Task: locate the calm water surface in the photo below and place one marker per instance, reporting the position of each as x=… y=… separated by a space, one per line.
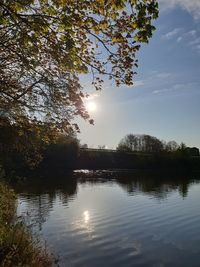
x=134 y=220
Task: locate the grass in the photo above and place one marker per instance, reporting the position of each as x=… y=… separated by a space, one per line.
x=18 y=247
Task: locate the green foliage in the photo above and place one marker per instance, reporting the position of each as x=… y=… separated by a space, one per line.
x=17 y=246
x=45 y=45
x=7 y=204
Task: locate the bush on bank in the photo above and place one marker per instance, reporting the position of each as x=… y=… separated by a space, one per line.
x=17 y=246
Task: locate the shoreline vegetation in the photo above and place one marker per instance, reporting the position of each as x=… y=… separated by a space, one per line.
x=139 y=152
x=28 y=155
x=18 y=247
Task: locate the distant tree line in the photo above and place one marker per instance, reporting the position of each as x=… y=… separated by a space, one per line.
x=22 y=152
x=143 y=152
x=150 y=144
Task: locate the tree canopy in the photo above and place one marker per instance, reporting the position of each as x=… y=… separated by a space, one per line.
x=140 y=143
x=150 y=144
x=45 y=45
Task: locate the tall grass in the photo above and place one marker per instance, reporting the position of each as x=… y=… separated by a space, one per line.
x=18 y=248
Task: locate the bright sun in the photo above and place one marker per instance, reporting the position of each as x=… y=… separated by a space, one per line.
x=91 y=106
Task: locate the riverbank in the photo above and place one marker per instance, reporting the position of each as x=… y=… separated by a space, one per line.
x=18 y=247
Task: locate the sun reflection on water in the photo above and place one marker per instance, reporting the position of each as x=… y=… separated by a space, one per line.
x=86 y=216
x=84 y=225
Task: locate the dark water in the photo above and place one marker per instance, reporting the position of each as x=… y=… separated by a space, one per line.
x=134 y=220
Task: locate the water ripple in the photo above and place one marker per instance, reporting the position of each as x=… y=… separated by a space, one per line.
x=112 y=224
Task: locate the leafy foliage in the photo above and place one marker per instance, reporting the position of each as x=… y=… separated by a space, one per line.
x=24 y=141
x=25 y=146
x=45 y=45
x=7 y=204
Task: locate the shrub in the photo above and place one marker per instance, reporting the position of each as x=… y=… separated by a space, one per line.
x=18 y=247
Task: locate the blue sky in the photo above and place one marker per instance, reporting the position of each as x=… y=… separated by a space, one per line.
x=165 y=100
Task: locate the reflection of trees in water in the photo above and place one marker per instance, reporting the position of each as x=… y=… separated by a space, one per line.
x=160 y=191
x=38 y=208
x=158 y=185
x=41 y=195
x=183 y=188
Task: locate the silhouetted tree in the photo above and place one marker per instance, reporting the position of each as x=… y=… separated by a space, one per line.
x=84 y=146
x=193 y=151
x=61 y=155
x=129 y=143
x=171 y=146
x=140 y=143
x=101 y=147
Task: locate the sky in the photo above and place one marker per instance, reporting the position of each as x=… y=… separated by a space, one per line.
x=165 y=99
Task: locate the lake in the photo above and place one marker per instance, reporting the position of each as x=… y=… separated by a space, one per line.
x=116 y=218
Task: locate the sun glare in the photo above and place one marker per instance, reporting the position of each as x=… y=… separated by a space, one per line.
x=91 y=106
x=86 y=216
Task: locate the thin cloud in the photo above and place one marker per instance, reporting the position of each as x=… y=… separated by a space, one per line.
x=191 y=6
x=161 y=91
x=192 y=33
x=175 y=87
x=171 y=34
x=190 y=38
x=158 y=75
x=187 y=35
x=138 y=83
x=179 y=39
x=195 y=41
x=163 y=75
